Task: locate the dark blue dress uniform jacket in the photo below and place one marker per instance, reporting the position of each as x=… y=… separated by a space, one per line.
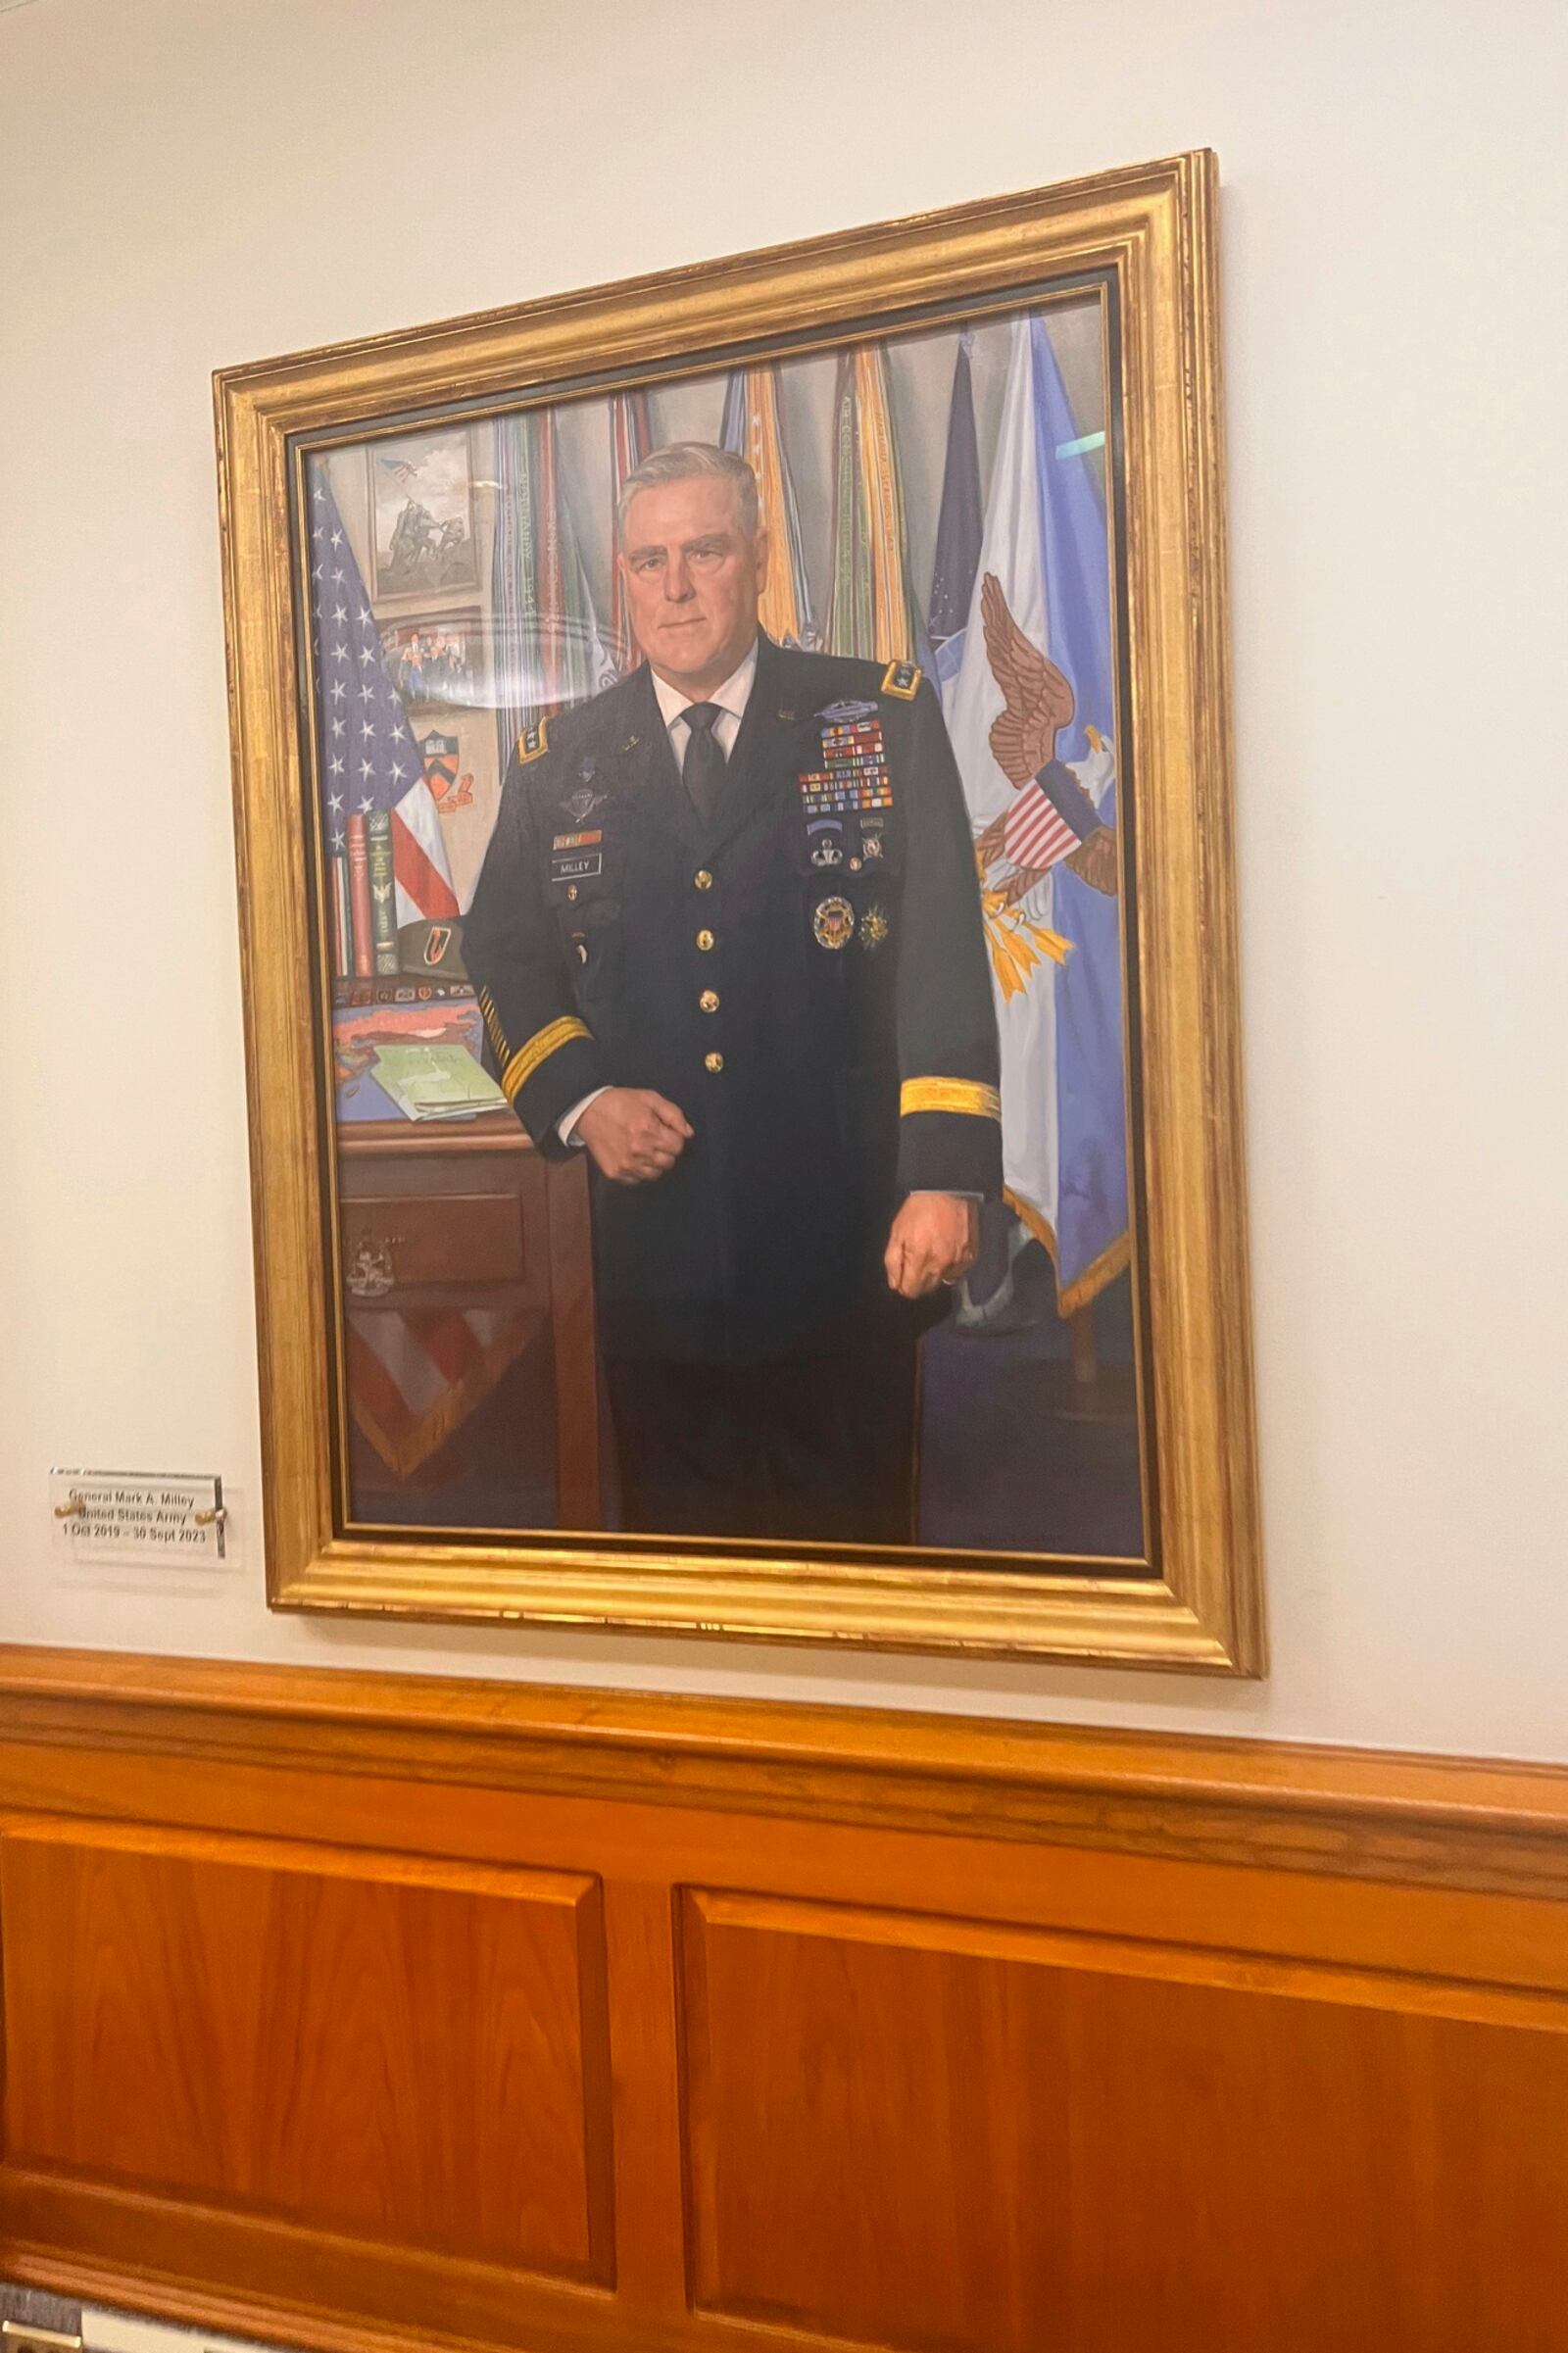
x=806 y=976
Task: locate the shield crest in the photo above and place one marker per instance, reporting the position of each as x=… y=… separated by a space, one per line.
x=448 y=790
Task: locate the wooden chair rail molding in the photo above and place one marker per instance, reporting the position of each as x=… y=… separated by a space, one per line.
x=354 y=2010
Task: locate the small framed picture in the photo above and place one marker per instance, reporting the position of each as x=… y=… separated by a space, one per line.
x=422 y=516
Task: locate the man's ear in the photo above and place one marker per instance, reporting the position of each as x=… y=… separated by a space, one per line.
x=761 y=550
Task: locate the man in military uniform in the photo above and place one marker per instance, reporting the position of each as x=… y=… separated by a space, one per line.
x=729 y=942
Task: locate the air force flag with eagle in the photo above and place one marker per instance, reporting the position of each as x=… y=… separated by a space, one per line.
x=1031 y=713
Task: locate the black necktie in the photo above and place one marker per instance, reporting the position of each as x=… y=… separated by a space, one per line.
x=702 y=771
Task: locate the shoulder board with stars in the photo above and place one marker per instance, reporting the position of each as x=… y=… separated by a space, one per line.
x=534 y=742
x=901 y=678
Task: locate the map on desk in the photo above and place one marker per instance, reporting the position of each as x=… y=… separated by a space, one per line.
x=435 y=1082
x=359 y=1035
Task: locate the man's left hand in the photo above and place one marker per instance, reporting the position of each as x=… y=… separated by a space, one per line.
x=934 y=1240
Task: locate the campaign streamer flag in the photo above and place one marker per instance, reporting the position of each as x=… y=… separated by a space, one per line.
x=1055 y=937
x=547 y=651
x=367 y=760
x=961 y=524
x=630 y=440
x=869 y=612
x=753 y=430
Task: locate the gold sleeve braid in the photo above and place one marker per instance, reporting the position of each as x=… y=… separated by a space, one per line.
x=493 y=1029
x=948 y=1095
x=539 y=1048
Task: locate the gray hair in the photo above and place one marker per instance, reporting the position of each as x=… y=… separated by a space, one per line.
x=682 y=461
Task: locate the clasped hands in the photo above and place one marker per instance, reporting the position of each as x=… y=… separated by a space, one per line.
x=636 y=1136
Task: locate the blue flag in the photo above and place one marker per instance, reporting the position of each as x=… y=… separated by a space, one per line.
x=1091 y=1099
x=960 y=525
x=1055 y=934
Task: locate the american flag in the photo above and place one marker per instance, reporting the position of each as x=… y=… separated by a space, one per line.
x=415 y=1374
x=366 y=758
x=1050 y=818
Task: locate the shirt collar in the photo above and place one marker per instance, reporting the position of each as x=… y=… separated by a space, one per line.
x=733 y=696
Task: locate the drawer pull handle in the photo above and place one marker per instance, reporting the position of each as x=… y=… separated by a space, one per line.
x=370 y=1271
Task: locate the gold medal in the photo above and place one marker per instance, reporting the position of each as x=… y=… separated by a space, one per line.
x=833 y=922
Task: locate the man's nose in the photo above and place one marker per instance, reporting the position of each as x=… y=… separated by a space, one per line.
x=677 y=581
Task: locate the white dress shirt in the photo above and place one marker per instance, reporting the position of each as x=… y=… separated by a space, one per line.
x=673 y=703
x=732 y=698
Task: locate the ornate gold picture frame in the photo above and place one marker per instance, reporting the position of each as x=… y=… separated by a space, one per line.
x=426 y=1273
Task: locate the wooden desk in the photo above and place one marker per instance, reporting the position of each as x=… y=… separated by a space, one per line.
x=470 y=1218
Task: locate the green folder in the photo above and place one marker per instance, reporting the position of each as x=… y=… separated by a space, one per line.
x=436 y=1082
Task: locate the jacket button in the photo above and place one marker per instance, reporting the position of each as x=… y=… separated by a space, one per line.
x=705 y=941
x=571 y=890
x=709 y=1000
x=712 y=1061
x=702 y=880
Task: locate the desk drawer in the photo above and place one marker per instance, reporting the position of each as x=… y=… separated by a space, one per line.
x=403 y=1242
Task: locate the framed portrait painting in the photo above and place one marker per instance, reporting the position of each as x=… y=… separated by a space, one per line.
x=734 y=813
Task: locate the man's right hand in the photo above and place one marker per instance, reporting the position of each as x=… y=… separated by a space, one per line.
x=633 y=1134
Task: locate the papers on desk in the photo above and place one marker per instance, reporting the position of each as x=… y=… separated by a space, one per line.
x=435 y=1082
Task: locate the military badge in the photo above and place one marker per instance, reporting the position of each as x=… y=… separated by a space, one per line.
x=827 y=841
x=581 y=804
x=843 y=711
x=901 y=678
x=534 y=742
x=874 y=927
x=833 y=922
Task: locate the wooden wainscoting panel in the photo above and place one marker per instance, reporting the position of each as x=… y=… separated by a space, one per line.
x=935 y=2134
x=387 y=2014
x=376 y=2044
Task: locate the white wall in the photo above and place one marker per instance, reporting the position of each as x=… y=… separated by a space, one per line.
x=190 y=182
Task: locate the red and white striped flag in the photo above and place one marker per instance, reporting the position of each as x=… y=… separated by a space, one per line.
x=365 y=754
x=414 y=1375
x=1036 y=833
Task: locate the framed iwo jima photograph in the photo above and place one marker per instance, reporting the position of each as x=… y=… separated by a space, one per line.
x=734 y=810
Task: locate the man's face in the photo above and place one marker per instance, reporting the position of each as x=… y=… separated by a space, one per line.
x=693 y=579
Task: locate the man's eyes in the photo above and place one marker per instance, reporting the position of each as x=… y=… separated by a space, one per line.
x=702 y=551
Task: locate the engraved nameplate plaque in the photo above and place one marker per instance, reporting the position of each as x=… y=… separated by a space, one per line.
x=138 y=1515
